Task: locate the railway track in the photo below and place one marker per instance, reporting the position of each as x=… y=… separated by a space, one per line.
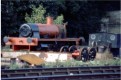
x=70 y=73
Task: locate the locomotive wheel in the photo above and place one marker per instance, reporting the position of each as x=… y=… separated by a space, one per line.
x=84 y=54
x=81 y=54
x=92 y=53
x=72 y=48
x=64 y=49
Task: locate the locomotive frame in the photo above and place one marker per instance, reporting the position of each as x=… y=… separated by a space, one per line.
x=29 y=43
x=36 y=36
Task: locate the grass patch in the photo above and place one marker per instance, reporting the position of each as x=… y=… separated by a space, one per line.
x=73 y=63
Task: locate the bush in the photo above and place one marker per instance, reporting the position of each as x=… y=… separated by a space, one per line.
x=37 y=16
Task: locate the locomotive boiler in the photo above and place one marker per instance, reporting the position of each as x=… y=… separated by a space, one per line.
x=38 y=30
x=37 y=36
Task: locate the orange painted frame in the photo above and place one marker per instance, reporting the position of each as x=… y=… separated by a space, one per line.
x=21 y=43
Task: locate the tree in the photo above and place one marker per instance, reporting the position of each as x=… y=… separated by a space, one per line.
x=37 y=16
x=59 y=20
x=13 y=13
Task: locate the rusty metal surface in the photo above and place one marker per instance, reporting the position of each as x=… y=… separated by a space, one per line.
x=32 y=59
x=49 y=20
x=22 y=44
x=77 y=73
x=50 y=30
x=81 y=54
x=59 y=39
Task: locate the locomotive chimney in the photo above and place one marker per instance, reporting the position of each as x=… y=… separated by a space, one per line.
x=49 y=20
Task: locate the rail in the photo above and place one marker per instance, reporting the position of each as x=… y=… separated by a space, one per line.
x=97 y=72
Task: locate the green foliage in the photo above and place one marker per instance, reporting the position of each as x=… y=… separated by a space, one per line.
x=74 y=63
x=37 y=15
x=14 y=66
x=59 y=20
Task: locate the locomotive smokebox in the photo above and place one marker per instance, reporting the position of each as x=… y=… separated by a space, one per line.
x=38 y=30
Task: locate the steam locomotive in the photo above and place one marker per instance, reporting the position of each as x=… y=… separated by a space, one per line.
x=49 y=36
x=37 y=36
